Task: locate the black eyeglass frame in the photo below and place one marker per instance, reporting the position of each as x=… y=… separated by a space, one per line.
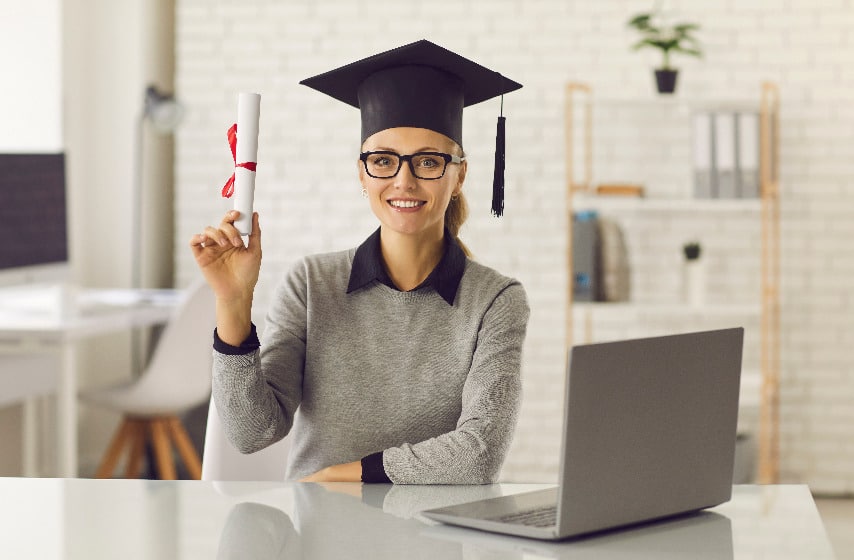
x=448 y=158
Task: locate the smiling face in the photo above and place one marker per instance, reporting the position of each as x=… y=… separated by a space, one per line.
x=405 y=204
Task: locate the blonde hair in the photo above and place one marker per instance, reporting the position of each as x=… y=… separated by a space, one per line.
x=457 y=211
x=455 y=216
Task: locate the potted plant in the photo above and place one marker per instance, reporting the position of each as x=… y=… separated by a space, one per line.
x=677 y=38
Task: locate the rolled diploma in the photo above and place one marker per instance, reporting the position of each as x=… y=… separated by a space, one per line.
x=248 y=113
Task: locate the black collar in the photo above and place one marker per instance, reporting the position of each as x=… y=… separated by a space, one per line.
x=445 y=278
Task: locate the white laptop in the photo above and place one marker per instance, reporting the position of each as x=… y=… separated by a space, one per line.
x=649 y=432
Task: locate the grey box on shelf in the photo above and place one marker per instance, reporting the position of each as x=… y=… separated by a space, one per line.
x=585 y=256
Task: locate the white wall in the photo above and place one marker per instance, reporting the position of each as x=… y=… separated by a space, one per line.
x=32 y=96
x=806 y=46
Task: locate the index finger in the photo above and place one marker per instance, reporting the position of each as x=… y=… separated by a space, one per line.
x=255 y=236
x=230 y=217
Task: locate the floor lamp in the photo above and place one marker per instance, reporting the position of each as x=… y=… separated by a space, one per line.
x=164 y=113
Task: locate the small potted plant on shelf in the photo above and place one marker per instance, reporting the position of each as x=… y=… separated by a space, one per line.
x=677 y=38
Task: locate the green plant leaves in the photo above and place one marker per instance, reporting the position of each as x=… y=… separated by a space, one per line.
x=677 y=38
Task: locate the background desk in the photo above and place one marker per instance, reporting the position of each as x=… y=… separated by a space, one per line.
x=75 y=519
x=38 y=332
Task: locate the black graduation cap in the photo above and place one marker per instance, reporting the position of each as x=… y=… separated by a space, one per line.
x=419 y=85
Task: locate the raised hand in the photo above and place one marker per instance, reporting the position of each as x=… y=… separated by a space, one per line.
x=231 y=269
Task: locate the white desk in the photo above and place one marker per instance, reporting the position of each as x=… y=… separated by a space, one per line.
x=39 y=328
x=75 y=519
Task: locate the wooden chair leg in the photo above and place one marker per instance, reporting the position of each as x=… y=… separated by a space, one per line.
x=162 y=449
x=185 y=448
x=137 y=449
x=114 y=451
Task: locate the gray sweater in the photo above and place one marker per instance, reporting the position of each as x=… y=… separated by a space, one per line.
x=435 y=387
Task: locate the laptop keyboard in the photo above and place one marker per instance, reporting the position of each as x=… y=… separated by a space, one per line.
x=540 y=517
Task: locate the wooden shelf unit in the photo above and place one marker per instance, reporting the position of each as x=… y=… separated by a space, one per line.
x=769 y=216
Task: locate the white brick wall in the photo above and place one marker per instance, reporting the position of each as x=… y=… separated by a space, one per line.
x=805 y=46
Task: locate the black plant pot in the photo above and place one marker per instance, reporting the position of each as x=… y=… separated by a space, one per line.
x=666 y=80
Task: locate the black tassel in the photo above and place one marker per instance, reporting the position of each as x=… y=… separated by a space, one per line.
x=498 y=178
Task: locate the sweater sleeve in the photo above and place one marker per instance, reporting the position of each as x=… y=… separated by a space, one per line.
x=257 y=393
x=474 y=452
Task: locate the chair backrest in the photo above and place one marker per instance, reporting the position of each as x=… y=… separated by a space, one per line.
x=221 y=461
x=183 y=357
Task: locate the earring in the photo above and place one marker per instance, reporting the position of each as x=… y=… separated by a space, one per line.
x=364 y=192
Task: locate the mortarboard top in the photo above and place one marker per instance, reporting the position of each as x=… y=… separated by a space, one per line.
x=419 y=85
x=415 y=83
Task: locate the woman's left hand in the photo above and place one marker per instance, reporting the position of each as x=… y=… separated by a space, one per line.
x=346 y=472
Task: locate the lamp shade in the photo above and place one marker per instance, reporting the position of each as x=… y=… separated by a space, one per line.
x=163 y=110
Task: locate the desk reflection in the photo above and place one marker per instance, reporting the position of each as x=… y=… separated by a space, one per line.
x=258 y=531
x=331 y=519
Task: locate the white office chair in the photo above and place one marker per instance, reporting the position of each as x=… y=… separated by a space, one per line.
x=225 y=463
x=177 y=378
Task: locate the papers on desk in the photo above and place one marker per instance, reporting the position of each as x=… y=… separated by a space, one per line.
x=128 y=298
x=35 y=301
x=26 y=306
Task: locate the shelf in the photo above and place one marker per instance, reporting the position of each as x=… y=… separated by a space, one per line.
x=651 y=308
x=638 y=140
x=634 y=204
x=678 y=104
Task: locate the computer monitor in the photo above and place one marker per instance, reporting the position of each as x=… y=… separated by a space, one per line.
x=33 y=219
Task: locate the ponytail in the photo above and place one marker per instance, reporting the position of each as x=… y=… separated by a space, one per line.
x=457 y=211
x=455 y=216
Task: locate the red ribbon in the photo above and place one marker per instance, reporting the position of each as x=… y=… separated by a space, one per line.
x=228 y=188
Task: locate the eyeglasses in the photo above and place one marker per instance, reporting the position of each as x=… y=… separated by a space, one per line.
x=423 y=165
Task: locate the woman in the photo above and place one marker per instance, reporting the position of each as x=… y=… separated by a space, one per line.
x=397 y=361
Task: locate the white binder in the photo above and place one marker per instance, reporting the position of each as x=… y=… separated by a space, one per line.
x=703 y=168
x=725 y=169
x=748 y=154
